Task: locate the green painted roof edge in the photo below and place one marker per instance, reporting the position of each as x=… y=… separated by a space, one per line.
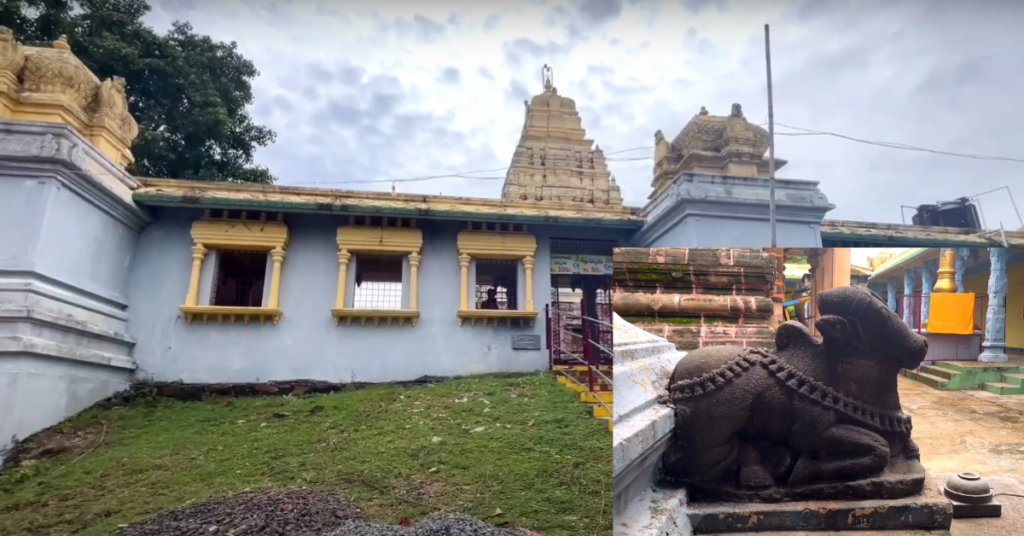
x=887 y=268
x=180 y=201
x=905 y=242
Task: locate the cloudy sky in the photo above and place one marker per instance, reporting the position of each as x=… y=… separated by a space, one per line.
x=396 y=89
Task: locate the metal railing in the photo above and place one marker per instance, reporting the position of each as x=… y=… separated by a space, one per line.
x=589 y=352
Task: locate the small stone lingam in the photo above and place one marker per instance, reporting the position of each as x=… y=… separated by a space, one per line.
x=971 y=496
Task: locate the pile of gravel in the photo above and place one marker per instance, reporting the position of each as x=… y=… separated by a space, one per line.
x=432 y=525
x=295 y=512
x=288 y=512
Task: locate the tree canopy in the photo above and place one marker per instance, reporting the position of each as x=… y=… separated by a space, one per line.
x=188 y=93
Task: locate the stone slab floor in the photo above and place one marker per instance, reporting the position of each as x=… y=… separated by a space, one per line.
x=965 y=431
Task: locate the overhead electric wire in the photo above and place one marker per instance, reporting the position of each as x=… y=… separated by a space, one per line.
x=803 y=132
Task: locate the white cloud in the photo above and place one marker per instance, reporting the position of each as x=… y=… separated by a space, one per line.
x=364 y=90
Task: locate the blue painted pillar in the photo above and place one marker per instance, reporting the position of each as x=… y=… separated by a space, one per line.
x=891 y=293
x=994 y=347
x=962 y=254
x=909 y=279
x=929 y=275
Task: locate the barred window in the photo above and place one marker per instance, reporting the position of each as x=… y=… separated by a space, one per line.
x=497 y=284
x=378 y=282
x=239 y=278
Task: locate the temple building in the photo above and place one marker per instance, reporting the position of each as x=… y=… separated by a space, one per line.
x=990 y=325
x=107 y=278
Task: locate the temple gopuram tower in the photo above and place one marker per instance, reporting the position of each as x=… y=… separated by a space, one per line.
x=554 y=161
x=710 y=188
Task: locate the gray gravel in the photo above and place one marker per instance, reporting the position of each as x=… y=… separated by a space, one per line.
x=432 y=525
x=295 y=512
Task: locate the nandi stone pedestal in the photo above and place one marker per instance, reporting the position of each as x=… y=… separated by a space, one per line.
x=810 y=436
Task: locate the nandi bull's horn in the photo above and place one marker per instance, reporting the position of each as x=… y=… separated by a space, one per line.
x=877 y=321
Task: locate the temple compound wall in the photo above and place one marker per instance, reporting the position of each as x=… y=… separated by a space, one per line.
x=697 y=297
x=308 y=335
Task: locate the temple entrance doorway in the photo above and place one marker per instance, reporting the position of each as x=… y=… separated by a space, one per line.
x=581 y=302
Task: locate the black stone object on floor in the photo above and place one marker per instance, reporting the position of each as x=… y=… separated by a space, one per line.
x=971 y=496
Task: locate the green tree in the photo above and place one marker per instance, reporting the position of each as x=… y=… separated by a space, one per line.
x=188 y=92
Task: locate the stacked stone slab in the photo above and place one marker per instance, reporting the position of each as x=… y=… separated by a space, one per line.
x=697 y=297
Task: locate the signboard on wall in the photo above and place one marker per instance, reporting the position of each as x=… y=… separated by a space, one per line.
x=525 y=342
x=565 y=264
x=581 y=264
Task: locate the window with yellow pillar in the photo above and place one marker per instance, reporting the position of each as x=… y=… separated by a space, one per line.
x=247 y=257
x=502 y=264
x=378 y=272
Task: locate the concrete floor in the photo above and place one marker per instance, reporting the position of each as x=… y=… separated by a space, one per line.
x=960 y=431
x=972 y=431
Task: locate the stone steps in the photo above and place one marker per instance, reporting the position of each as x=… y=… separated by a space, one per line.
x=942 y=372
x=602 y=388
x=1014 y=379
x=1001 y=388
x=996 y=378
x=935 y=382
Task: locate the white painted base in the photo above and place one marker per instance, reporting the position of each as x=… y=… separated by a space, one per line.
x=37 y=392
x=643 y=426
x=656 y=512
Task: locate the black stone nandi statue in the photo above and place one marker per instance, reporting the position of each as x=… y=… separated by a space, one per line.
x=814 y=419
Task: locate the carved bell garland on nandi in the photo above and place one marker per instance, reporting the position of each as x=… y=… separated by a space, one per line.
x=815 y=419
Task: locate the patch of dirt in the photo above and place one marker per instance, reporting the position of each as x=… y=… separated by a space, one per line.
x=292 y=512
x=52 y=442
x=421 y=491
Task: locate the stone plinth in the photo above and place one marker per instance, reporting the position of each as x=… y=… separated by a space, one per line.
x=642 y=427
x=928 y=510
x=704 y=210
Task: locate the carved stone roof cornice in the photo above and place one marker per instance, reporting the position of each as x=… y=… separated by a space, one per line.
x=50 y=84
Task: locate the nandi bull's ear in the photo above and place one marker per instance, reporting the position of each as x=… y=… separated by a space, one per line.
x=840 y=330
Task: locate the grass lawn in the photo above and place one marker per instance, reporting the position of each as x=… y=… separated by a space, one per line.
x=523 y=445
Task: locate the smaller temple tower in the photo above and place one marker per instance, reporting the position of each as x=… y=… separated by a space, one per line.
x=554 y=161
x=721 y=145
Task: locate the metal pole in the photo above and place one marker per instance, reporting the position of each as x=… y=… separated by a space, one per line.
x=547 y=336
x=771 y=138
x=588 y=352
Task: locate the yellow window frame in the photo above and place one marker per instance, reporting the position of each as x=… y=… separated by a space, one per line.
x=382 y=239
x=508 y=245
x=236 y=234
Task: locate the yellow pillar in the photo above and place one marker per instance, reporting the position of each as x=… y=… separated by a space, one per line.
x=414 y=272
x=198 y=254
x=464 y=287
x=947 y=272
x=528 y=264
x=277 y=254
x=343 y=258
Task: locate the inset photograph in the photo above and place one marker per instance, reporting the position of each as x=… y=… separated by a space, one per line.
x=810 y=389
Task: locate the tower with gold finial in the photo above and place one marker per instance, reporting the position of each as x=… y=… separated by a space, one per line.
x=554 y=161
